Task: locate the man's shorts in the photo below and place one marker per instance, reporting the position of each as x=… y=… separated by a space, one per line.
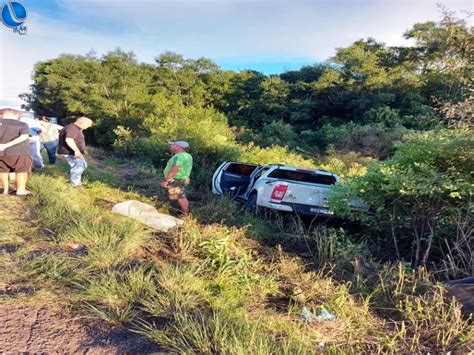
x=15 y=164
x=176 y=189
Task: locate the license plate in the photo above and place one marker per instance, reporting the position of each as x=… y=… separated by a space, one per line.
x=320 y=210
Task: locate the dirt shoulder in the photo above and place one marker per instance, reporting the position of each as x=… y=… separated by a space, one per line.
x=43 y=329
x=30 y=324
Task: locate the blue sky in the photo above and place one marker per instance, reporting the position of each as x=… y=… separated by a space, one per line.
x=268 y=36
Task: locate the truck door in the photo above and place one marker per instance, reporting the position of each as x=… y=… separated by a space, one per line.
x=232 y=178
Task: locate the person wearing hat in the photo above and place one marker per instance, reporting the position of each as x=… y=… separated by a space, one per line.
x=177 y=174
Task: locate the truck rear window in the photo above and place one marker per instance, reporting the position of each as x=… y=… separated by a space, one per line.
x=241 y=169
x=303 y=176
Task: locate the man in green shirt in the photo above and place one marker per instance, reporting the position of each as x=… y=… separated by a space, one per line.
x=177 y=173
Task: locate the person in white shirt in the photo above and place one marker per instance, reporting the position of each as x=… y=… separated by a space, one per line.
x=34 y=140
x=49 y=137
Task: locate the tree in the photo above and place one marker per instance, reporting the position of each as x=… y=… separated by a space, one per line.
x=445 y=55
x=197 y=82
x=243 y=98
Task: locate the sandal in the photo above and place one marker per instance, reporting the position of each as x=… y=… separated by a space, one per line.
x=10 y=192
x=28 y=193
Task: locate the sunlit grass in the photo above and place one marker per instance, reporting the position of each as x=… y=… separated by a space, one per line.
x=212 y=287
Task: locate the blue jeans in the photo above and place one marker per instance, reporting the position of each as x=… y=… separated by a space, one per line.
x=78 y=166
x=35 y=153
x=51 y=148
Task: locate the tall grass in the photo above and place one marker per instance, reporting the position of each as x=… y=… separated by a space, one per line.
x=208 y=332
x=108 y=240
x=114 y=295
x=212 y=287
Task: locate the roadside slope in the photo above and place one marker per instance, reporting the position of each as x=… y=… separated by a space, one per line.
x=224 y=283
x=35 y=319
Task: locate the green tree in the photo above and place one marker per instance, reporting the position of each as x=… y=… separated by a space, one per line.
x=277 y=133
x=243 y=107
x=61 y=86
x=445 y=52
x=197 y=82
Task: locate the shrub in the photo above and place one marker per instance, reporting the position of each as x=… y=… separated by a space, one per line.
x=124 y=143
x=273 y=155
x=375 y=140
x=345 y=165
x=413 y=194
x=206 y=130
x=385 y=115
x=424 y=119
x=277 y=133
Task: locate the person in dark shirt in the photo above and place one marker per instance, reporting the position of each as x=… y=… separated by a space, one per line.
x=73 y=145
x=14 y=152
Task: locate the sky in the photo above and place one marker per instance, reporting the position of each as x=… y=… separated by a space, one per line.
x=271 y=36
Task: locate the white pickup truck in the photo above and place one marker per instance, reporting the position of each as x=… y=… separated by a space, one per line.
x=279 y=187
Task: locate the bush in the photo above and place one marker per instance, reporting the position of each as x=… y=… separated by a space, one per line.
x=424 y=119
x=374 y=140
x=385 y=115
x=210 y=138
x=204 y=128
x=277 y=133
x=345 y=165
x=273 y=155
x=124 y=143
x=415 y=192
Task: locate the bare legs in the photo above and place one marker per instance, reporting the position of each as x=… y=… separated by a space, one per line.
x=21 y=179
x=5 y=181
x=184 y=205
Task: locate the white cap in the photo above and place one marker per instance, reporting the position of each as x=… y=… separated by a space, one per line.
x=182 y=144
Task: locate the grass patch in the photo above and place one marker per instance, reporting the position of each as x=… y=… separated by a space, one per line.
x=114 y=295
x=208 y=332
x=216 y=286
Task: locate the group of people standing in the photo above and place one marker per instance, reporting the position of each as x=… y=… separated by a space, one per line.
x=22 y=139
x=21 y=142
x=44 y=134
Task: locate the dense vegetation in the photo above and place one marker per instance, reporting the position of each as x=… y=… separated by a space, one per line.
x=394 y=122
x=363 y=98
x=343 y=114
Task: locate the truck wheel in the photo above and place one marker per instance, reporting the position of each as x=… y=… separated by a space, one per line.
x=251 y=204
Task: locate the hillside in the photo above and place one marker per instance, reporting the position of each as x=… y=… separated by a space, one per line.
x=225 y=283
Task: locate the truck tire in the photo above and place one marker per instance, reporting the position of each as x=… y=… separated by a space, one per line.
x=251 y=204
